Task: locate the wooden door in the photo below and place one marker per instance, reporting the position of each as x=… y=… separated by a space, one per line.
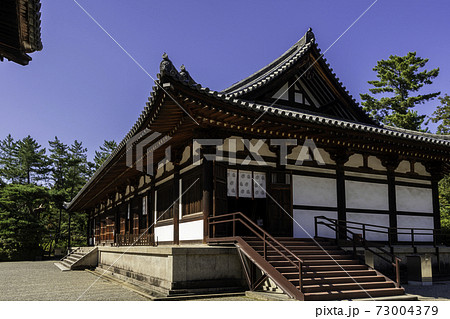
x=220 y=199
x=220 y=190
x=279 y=212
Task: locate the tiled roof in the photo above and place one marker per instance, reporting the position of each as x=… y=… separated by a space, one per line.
x=168 y=71
x=274 y=69
x=323 y=120
x=20 y=30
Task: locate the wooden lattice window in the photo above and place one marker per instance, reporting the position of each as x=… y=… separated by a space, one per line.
x=192 y=193
x=164 y=202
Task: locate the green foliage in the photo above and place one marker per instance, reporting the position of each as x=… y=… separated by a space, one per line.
x=22 y=211
x=8 y=161
x=398 y=79
x=33 y=190
x=442 y=115
x=444 y=200
x=105 y=150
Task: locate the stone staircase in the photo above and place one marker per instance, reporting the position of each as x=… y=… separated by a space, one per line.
x=79 y=258
x=329 y=273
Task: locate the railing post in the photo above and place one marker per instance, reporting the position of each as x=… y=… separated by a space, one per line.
x=354 y=245
x=412 y=240
x=234 y=225
x=300 y=284
x=338 y=229
x=364 y=232
x=264 y=246
x=397 y=273
x=315 y=226
x=390 y=237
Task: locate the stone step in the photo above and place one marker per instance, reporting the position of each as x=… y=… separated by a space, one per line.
x=354 y=294
x=61 y=266
x=336 y=280
x=347 y=286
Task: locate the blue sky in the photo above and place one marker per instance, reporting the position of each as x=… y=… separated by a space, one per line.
x=83 y=86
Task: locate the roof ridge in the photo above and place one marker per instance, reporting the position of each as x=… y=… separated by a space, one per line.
x=275 y=65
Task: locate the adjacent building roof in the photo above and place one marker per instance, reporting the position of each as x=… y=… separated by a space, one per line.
x=20 y=29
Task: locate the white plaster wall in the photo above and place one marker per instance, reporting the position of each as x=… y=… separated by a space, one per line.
x=186 y=155
x=375 y=219
x=412 y=180
x=164 y=233
x=374 y=163
x=415 y=222
x=366 y=175
x=366 y=195
x=326 y=156
x=420 y=169
x=294 y=155
x=403 y=167
x=356 y=160
x=191 y=230
x=414 y=199
x=304 y=223
x=314 y=191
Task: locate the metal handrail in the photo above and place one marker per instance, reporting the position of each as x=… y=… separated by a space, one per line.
x=264 y=237
x=69 y=252
x=416 y=231
x=337 y=226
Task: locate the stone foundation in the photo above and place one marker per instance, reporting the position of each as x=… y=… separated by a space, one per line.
x=168 y=270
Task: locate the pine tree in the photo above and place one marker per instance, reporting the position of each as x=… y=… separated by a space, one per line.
x=442 y=115
x=32 y=163
x=21 y=220
x=8 y=161
x=400 y=76
x=105 y=150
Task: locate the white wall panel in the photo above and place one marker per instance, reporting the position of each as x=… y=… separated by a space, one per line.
x=415 y=222
x=414 y=199
x=164 y=233
x=366 y=195
x=356 y=160
x=314 y=191
x=375 y=219
x=191 y=230
x=304 y=223
x=375 y=163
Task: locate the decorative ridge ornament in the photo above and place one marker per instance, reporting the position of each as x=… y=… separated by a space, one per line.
x=185 y=76
x=166 y=67
x=310 y=35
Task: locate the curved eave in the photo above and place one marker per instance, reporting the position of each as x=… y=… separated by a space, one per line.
x=273 y=69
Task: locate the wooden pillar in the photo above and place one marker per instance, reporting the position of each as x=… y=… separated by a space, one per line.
x=89 y=227
x=340 y=157
x=435 y=169
x=176 y=206
x=152 y=207
x=391 y=164
x=207 y=199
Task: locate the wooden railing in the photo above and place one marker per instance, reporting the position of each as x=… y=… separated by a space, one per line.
x=267 y=240
x=340 y=228
x=135 y=239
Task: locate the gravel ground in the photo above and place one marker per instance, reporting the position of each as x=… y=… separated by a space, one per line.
x=440 y=290
x=41 y=280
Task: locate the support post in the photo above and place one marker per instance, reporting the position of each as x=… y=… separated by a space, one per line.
x=391 y=164
x=176 y=206
x=207 y=198
x=340 y=156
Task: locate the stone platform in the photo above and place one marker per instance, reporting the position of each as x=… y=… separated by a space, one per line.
x=175 y=270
